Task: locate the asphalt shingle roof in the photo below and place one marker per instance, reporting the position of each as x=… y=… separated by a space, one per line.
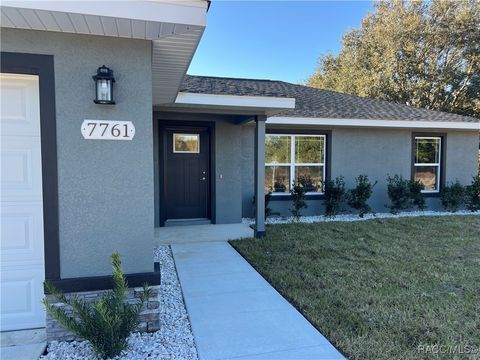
x=317 y=103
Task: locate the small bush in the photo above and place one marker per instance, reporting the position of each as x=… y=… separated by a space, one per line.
x=404 y=194
x=105 y=323
x=473 y=194
x=268 y=210
x=453 y=196
x=279 y=187
x=357 y=198
x=298 y=198
x=398 y=190
x=334 y=195
x=416 y=196
x=307 y=183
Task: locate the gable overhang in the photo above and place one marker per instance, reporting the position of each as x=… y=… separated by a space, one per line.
x=232 y=104
x=401 y=124
x=174 y=27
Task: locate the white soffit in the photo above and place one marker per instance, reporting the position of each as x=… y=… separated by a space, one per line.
x=175 y=28
x=268 y=105
x=374 y=123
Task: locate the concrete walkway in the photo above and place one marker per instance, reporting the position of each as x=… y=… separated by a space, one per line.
x=201 y=233
x=236 y=314
x=23 y=344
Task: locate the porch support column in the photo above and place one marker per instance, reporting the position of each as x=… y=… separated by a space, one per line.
x=260 y=175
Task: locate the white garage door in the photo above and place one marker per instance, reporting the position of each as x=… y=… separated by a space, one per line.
x=22 y=265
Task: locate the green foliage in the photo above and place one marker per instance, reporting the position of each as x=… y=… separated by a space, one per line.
x=453 y=196
x=404 y=193
x=357 y=198
x=277 y=149
x=268 y=210
x=298 y=200
x=416 y=195
x=427 y=150
x=309 y=149
x=334 y=195
x=307 y=182
x=473 y=194
x=421 y=53
x=105 y=323
x=398 y=190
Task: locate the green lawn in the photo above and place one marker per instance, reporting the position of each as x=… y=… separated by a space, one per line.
x=379 y=289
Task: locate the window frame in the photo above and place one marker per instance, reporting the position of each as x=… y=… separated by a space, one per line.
x=293 y=164
x=440 y=165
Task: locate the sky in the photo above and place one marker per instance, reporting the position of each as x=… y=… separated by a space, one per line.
x=277 y=40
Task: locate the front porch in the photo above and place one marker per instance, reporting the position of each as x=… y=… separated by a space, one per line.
x=207 y=151
x=201 y=233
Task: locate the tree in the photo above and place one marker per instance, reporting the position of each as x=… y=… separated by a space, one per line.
x=423 y=54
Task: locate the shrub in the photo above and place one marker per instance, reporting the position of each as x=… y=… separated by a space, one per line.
x=298 y=199
x=279 y=187
x=416 y=195
x=473 y=194
x=404 y=194
x=105 y=323
x=453 y=196
x=307 y=183
x=268 y=211
x=357 y=198
x=398 y=190
x=334 y=195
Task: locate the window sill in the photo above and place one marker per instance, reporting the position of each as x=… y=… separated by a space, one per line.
x=288 y=197
x=433 y=194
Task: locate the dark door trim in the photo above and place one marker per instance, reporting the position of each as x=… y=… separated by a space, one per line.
x=163 y=125
x=43 y=66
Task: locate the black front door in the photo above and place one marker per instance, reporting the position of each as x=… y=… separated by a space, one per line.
x=187 y=175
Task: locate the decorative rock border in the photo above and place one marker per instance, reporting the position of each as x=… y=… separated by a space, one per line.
x=173 y=341
x=355 y=217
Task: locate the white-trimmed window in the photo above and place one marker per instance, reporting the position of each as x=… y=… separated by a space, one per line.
x=427 y=162
x=294 y=158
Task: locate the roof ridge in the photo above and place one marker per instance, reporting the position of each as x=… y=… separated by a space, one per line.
x=231 y=78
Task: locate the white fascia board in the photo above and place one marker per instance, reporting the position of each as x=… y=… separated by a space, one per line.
x=237 y=101
x=277 y=120
x=181 y=12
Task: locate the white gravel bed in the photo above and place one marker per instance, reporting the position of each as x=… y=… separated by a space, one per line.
x=173 y=341
x=355 y=217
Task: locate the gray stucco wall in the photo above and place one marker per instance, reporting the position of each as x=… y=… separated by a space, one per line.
x=462 y=156
x=375 y=152
x=106 y=198
x=228 y=141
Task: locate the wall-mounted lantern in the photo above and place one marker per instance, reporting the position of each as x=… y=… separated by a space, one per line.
x=104 y=86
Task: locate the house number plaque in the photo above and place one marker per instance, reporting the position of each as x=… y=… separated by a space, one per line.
x=108 y=130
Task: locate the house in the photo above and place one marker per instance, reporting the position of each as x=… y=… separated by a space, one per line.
x=94 y=165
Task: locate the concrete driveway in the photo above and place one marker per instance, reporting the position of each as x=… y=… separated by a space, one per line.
x=236 y=314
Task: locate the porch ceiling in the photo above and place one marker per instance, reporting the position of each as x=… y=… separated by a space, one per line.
x=175 y=29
